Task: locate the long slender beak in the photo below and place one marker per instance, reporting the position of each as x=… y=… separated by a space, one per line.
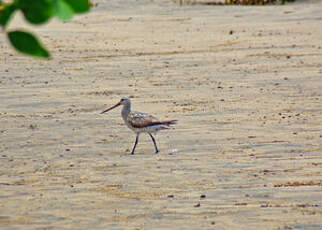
x=118 y=104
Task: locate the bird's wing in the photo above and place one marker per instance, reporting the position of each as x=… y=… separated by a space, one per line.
x=141 y=120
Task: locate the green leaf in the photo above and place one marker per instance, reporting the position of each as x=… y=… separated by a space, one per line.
x=27 y=43
x=79 y=6
x=36 y=11
x=63 y=10
x=6 y=12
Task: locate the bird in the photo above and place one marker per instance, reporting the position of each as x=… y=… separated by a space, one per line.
x=141 y=122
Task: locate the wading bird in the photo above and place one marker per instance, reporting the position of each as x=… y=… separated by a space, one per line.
x=141 y=122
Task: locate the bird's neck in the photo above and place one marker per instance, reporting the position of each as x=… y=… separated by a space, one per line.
x=126 y=110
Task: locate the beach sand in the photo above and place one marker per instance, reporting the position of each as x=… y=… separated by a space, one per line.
x=245 y=84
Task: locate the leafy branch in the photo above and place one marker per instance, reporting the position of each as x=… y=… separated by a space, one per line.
x=37 y=12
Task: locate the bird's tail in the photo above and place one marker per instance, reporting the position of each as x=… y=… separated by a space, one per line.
x=168 y=123
x=163 y=124
x=159 y=125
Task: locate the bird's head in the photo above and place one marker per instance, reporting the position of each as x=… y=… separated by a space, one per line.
x=123 y=101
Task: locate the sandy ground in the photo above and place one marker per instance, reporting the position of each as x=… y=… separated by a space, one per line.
x=245 y=84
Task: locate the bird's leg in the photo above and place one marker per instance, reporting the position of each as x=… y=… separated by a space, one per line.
x=136 y=142
x=155 y=144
